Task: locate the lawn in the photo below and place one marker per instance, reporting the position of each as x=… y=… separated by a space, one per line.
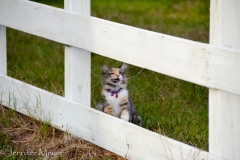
x=169 y=106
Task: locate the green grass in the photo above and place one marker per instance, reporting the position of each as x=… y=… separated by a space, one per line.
x=6 y=148
x=35 y=60
x=172 y=107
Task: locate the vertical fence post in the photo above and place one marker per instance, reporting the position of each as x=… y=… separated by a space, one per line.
x=224 y=107
x=3 y=50
x=78 y=61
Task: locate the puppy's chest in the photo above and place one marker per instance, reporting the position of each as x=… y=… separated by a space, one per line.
x=115 y=101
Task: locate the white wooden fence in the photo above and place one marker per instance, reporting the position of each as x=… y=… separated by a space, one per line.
x=215 y=65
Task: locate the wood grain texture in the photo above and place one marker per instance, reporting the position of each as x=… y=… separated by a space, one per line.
x=3 y=50
x=224 y=128
x=111 y=133
x=77 y=75
x=224 y=107
x=207 y=65
x=78 y=62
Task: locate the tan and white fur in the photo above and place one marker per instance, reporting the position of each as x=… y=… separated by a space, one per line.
x=116 y=99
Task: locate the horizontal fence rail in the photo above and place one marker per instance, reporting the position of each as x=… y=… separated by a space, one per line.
x=113 y=134
x=203 y=64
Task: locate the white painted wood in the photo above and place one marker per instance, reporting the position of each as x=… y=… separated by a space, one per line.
x=3 y=50
x=225 y=23
x=224 y=124
x=224 y=107
x=96 y=127
x=78 y=6
x=207 y=65
x=78 y=75
x=78 y=62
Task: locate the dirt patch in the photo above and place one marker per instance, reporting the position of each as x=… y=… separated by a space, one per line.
x=25 y=138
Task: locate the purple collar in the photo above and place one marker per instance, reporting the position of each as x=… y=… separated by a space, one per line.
x=114 y=92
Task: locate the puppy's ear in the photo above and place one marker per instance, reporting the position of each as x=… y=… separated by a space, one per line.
x=104 y=68
x=123 y=67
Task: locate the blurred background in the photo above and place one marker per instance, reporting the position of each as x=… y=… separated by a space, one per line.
x=169 y=106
